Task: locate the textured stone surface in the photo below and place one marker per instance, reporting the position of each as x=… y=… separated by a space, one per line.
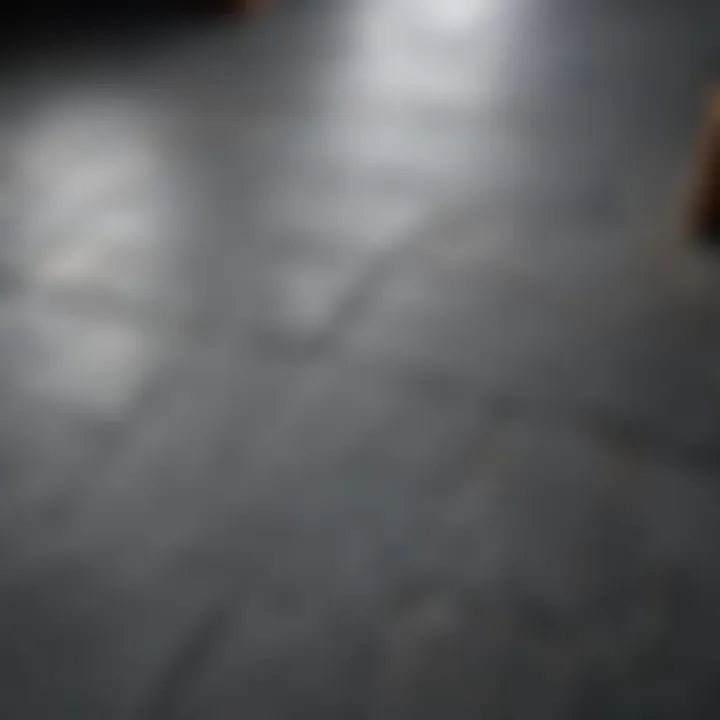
x=354 y=363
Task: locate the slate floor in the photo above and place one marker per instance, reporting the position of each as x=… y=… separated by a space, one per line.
x=354 y=363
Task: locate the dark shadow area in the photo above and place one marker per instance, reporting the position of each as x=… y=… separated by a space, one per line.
x=45 y=27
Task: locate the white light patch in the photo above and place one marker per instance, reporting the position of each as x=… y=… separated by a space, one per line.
x=94 y=363
x=428 y=52
x=95 y=256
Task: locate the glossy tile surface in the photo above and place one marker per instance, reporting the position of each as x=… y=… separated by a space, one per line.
x=354 y=363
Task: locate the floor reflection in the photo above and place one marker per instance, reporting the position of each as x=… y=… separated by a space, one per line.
x=95 y=252
x=458 y=50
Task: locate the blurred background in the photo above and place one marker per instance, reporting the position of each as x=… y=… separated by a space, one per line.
x=356 y=361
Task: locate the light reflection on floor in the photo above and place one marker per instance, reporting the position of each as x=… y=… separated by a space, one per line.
x=93 y=261
x=431 y=50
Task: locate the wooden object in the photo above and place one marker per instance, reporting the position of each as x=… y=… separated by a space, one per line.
x=706 y=205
